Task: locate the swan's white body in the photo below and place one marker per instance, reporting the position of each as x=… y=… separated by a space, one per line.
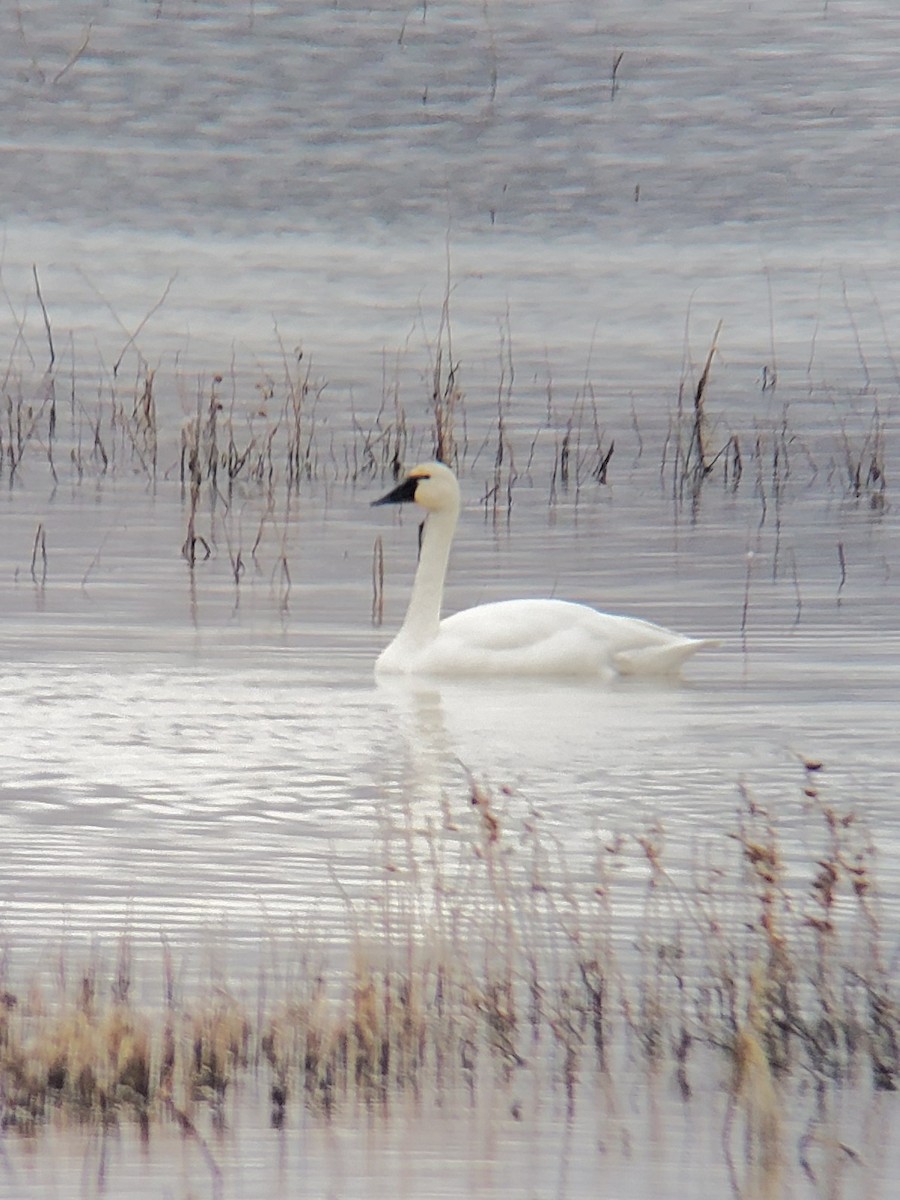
x=511 y=637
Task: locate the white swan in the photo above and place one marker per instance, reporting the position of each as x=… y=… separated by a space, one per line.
x=511 y=637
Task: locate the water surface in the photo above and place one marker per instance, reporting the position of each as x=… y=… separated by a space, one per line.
x=200 y=757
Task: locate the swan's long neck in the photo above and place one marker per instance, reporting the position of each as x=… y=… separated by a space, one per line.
x=423 y=616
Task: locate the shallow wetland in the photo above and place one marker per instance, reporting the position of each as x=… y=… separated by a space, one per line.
x=270 y=927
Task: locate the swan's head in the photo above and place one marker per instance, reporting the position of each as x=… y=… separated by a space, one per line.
x=432 y=485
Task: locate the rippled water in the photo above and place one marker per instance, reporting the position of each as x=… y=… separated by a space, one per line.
x=174 y=741
x=201 y=188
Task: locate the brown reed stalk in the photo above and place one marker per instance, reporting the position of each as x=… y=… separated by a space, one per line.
x=378 y=582
x=699 y=449
x=39 y=551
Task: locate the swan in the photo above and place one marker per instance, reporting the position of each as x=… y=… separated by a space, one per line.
x=510 y=637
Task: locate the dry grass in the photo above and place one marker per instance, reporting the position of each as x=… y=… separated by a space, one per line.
x=260 y=436
x=493 y=960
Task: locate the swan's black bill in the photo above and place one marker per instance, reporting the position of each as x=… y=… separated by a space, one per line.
x=404 y=493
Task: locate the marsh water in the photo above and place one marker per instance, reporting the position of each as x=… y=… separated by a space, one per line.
x=562 y=201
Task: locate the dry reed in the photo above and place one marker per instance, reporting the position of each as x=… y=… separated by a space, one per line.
x=499 y=962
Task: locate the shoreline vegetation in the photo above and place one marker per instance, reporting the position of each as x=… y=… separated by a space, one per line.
x=768 y=983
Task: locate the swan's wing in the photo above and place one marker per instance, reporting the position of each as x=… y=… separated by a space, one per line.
x=555 y=637
x=512 y=624
x=516 y=637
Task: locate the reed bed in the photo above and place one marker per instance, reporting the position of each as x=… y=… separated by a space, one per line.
x=244 y=453
x=480 y=957
x=266 y=433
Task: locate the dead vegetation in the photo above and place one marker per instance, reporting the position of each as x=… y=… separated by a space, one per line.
x=492 y=960
x=258 y=438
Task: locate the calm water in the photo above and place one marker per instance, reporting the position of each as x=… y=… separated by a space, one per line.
x=204 y=188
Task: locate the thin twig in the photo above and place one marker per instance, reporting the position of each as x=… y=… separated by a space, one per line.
x=39 y=548
x=378 y=582
x=155 y=309
x=75 y=57
x=37 y=288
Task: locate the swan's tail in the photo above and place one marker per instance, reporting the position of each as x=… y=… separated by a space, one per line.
x=660 y=660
